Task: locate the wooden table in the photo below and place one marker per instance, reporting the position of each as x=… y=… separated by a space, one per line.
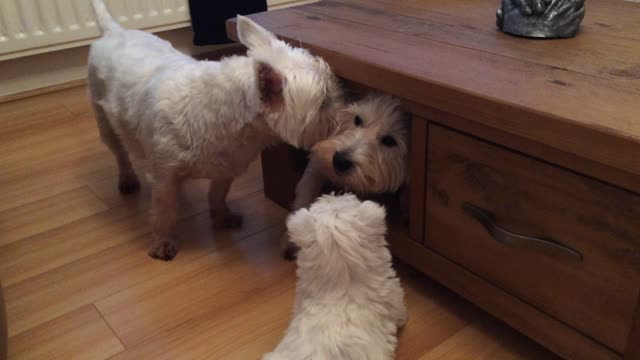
x=543 y=135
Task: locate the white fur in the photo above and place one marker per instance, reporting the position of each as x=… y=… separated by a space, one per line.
x=376 y=168
x=186 y=113
x=349 y=302
x=180 y=118
x=313 y=97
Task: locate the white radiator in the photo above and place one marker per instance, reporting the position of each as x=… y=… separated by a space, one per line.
x=34 y=26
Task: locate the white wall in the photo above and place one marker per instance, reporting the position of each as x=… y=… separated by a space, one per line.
x=67 y=63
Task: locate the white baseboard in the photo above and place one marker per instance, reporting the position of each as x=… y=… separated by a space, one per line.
x=29 y=73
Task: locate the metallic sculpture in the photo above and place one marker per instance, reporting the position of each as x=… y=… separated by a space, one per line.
x=541 y=18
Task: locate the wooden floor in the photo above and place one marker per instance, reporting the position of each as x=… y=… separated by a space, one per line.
x=78 y=282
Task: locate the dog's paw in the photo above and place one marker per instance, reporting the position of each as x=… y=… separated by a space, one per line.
x=163 y=250
x=290 y=252
x=127 y=187
x=227 y=220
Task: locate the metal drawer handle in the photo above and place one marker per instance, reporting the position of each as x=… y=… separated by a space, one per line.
x=503 y=236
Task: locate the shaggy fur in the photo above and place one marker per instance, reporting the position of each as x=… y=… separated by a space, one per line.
x=179 y=118
x=372 y=138
x=349 y=302
x=366 y=154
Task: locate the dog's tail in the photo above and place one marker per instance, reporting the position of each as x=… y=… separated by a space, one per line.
x=105 y=20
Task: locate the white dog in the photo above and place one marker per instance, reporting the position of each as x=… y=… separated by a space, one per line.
x=180 y=118
x=349 y=302
x=367 y=153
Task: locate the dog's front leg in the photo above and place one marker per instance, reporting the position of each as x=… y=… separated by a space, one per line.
x=164 y=204
x=220 y=213
x=309 y=187
x=307 y=191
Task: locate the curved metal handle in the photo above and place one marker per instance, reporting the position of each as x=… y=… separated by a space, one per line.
x=506 y=237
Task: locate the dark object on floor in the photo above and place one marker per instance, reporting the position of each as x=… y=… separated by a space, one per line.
x=541 y=18
x=208 y=18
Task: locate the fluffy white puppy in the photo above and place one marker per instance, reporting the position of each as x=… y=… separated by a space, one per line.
x=179 y=118
x=349 y=302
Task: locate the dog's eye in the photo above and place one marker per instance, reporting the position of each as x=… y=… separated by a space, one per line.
x=357 y=121
x=388 y=141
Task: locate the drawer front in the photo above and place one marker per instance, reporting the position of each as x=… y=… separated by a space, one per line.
x=417 y=177
x=564 y=243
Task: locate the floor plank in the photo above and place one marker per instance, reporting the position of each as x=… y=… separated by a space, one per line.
x=487 y=340
x=435 y=314
x=70 y=146
x=24 y=117
x=51 y=294
x=43 y=215
x=75 y=99
x=80 y=334
x=29 y=190
x=49 y=250
x=55 y=128
x=74 y=159
x=126 y=220
x=231 y=333
x=202 y=289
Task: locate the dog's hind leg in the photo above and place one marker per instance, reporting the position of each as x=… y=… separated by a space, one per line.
x=128 y=182
x=220 y=213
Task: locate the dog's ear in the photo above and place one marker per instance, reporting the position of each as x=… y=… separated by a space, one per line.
x=253 y=35
x=373 y=215
x=271 y=85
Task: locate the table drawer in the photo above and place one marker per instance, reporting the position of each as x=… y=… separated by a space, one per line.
x=562 y=242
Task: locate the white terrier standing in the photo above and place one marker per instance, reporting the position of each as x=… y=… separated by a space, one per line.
x=349 y=302
x=367 y=153
x=180 y=118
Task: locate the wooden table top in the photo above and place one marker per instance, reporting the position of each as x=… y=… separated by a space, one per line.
x=579 y=95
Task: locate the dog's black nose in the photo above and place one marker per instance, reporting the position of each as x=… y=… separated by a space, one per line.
x=341 y=162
